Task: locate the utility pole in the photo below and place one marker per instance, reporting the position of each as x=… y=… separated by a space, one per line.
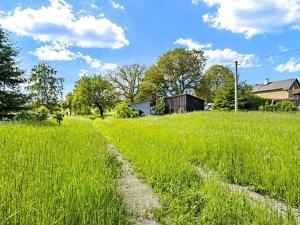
x=236 y=87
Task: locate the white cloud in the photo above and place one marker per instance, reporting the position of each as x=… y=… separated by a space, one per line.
x=98 y=64
x=59 y=52
x=83 y=73
x=54 y=52
x=296 y=27
x=56 y=22
x=253 y=17
x=291 y=66
x=116 y=5
x=282 y=48
x=271 y=59
x=195 y=2
x=93 y=6
x=225 y=56
x=228 y=56
x=191 y=44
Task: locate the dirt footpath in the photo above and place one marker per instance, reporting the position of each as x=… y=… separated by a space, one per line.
x=255 y=198
x=138 y=198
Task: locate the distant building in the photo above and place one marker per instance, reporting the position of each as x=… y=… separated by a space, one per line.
x=144 y=108
x=183 y=103
x=279 y=90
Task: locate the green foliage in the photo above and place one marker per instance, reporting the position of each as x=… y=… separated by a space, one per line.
x=160 y=107
x=126 y=79
x=42 y=113
x=92 y=92
x=214 y=79
x=67 y=103
x=25 y=115
x=45 y=87
x=182 y=69
x=80 y=102
x=251 y=101
x=225 y=97
x=176 y=72
x=122 y=110
x=284 y=106
x=59 y=116
x=153 y=86
x=11 y=77
x=57 y=175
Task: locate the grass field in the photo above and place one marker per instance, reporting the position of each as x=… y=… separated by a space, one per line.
x=260 y=150
x=57 y=175
x=64 y=175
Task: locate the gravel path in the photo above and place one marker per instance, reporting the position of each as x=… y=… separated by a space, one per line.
x=278 y=206
x=138 y=198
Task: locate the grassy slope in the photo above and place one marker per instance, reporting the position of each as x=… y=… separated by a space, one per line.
x=256 y=149
x=57 y=175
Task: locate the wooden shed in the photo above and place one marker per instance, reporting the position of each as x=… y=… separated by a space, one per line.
x=184 y=102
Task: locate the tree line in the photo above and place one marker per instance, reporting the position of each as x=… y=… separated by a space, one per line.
x=176 y=72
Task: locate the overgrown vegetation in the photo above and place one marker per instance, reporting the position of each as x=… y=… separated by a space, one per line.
x=284 y=106
x=122 y=110
x=259 y=150
x=160 y=107
x=40 y=114
x=57 y=175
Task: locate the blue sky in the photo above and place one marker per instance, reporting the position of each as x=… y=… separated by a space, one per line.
x=93 y=36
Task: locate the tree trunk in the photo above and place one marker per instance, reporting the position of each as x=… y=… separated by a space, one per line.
x=101 y=111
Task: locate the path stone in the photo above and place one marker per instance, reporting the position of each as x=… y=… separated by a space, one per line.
x=138 y=198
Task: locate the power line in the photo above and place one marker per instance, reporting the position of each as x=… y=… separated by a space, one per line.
x=268 y=56
x=256 y=59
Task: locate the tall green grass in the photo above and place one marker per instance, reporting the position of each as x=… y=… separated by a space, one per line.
x=260 y=150
x=57 y=175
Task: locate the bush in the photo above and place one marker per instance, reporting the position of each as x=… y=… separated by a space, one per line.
x=59 y=116
x=42 y=113
x=284 y=106
x=160 y=107
x=122 y=110
x=288 y=106
x=25 y=115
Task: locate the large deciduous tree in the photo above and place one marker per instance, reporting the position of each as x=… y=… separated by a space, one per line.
x=214 y=79
x=127 y=79
x=45 y=87
x=177 y=72
x=11 y=77
x=182 y=69
x=94 y=91
x=154 y=86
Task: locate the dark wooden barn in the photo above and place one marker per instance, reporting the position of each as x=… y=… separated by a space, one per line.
x=183 y=103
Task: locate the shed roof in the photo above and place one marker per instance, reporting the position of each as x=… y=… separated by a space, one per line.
x=188 y=95
x=276 y=85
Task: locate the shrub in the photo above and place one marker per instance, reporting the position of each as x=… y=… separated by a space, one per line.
x=122 y=110
x=288 y=106
x=160 y=107
x=42 y=113
x=59 y=116
x=25 y=115
x=284 y=106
